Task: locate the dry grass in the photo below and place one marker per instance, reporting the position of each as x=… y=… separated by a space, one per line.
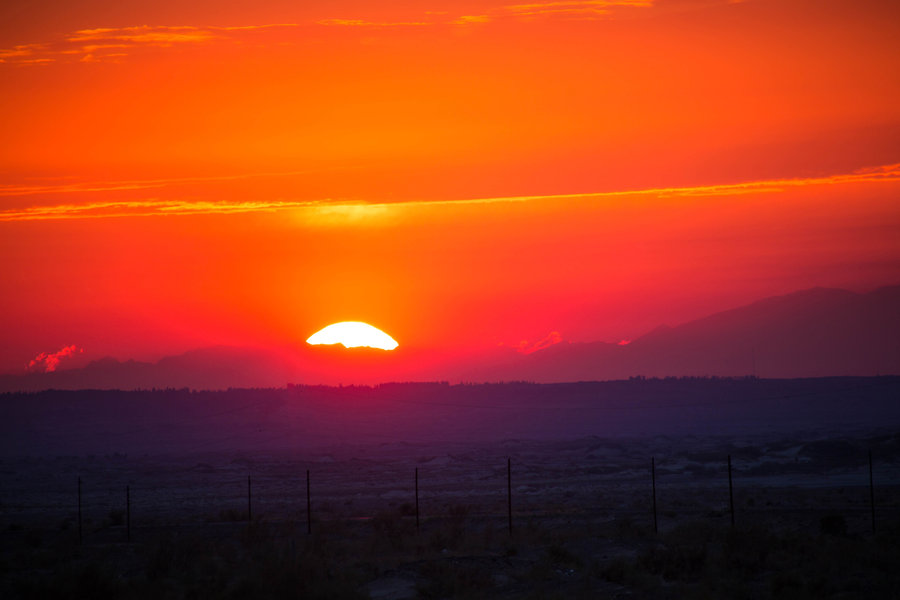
x=458 y=557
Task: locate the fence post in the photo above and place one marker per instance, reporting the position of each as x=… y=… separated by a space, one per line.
x=127 y=513
x=417 y=499
x=509 y=492
x=80 y=536
x=730 y=492
x=249 y=503
x=872 y=492
x=308 y=507
x=653 y=483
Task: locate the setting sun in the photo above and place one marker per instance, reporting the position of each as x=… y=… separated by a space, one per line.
x=353 y=334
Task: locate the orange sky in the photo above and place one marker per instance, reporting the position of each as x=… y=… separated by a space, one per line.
x=180 y=174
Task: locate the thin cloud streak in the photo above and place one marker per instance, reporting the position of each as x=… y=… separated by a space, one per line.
x=21 y=51
x=145 y=208
x=144 y=34
x=884 y=173
x=575 y=8
x=579 y=4
x=157 y=207
x=136 y=184
x=472 y=20
x=91 y=45
x=364 y=23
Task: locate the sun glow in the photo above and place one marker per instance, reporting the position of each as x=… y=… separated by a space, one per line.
x=353 y=334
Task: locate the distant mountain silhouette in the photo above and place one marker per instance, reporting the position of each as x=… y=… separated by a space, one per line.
x=811 y=333
x=218 y=367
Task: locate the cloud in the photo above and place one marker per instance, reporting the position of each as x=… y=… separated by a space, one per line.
x=882 y=173
x=110 y=44
x=364 y=23
x=128 y=184
x=48 y=361
x=145 y=34
x=576 y=8
x=526 y=347
x=21 y=51
x=159 y=207
x=113 y=43
x=145 y=208
x=472 y=20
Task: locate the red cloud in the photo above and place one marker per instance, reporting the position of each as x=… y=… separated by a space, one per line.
x=49 y=361
x=526 y=347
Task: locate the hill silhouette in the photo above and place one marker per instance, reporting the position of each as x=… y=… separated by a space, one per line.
x=817 y=332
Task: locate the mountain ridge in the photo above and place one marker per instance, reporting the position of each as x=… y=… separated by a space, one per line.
x=813 y=332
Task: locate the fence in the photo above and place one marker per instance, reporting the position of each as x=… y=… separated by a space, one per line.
x=113 y=494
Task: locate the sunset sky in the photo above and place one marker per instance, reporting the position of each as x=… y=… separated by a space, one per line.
x=175 y=175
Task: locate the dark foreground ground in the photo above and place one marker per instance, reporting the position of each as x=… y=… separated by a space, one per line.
x=582 y=520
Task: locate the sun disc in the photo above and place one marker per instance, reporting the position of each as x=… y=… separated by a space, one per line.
x=353 y=334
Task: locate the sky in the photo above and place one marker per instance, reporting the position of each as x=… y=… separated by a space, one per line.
x=462 y=175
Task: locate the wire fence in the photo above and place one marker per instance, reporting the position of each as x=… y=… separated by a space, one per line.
x=96 y=498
